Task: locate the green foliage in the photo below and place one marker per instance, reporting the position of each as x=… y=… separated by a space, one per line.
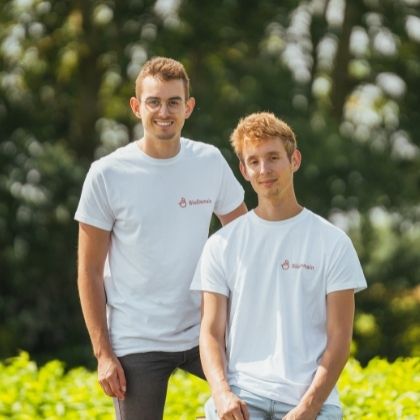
x=187 y=395
x=381 y=390
x=30 y=393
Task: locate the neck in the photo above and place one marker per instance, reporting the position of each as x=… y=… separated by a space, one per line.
x=277 y=210
x=159 y=149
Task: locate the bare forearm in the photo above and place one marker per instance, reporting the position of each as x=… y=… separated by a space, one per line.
x=92 y=253
x=227 y=218
x=213 y=357
x=340 y=313
x=92 y=299
x=326 y=376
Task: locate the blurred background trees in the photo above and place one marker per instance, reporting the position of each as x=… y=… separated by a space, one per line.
x=344 y=74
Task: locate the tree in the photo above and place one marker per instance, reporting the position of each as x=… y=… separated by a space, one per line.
x=345 y=75
x=61 y=93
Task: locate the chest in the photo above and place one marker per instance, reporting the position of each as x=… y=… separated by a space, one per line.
x=163 y=196
x=284 y=265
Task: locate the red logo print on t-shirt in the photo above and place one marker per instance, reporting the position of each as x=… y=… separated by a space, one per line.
x=196 y=202
x=285 y=265
x=297 y=266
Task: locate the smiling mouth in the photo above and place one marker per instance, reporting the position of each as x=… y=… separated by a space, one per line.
x=164 y=123
x=267 y=182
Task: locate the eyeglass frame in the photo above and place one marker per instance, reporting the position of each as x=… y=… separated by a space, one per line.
x=160 y=102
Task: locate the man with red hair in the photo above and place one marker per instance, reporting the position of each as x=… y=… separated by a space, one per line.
x=278 y=290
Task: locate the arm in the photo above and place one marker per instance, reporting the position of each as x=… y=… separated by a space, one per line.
x=213 y=357
x=226 y=218
x=340 y=313
x=92 y=252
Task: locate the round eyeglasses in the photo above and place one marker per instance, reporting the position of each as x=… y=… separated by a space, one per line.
x=155 y=104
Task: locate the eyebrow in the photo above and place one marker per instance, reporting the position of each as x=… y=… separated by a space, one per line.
x=251 y=157
x=271 y=153
x=157 y=97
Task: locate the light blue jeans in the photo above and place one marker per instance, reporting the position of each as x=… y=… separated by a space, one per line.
x=261 y=408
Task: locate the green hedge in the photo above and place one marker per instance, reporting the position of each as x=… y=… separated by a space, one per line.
x=381 y=390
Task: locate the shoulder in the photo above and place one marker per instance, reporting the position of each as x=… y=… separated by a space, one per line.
x=326 y=227
x=196 y=148
x=113 y=162
x=229 y=232
x=219 y=244
x=323 y=223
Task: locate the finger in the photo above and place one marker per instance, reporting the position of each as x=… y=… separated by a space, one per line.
x=110 y=383
x=121 y=380
x=106 y=388
x=244 y=410
x=237 y=413
x=114 y=384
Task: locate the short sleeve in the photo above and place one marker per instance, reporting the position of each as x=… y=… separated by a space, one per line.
x=209 y=274
x=345 y=271
x=231 y=193
x=94 y=208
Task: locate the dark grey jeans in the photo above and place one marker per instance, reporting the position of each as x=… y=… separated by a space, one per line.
x=147 y=376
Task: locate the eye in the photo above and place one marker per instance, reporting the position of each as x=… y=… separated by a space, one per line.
x=174 y=102
x=153 y=102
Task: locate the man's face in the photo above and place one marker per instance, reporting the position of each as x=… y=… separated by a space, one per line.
x=268 y=168
x=162 y=108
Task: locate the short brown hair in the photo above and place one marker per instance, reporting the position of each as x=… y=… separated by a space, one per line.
x=165 y=69
x=261 y=126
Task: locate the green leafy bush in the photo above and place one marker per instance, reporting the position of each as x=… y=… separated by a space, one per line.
x=31 y=393
x=381 y=390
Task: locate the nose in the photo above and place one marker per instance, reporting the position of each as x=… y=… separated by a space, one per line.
x=265 y=167
x=163 y=110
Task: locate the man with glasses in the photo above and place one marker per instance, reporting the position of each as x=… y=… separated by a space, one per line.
x=144 y=216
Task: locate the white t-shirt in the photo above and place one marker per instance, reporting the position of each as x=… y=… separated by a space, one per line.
x=276 y=275
x=158 y=211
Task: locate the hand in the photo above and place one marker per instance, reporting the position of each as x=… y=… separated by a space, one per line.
x=111 y=376
x=300 y=413
x=230 y=407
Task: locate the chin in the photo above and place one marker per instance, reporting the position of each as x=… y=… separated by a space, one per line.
x=270 y=194
x=166 y=137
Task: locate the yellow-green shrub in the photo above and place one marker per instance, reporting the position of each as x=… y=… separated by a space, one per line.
x=381 y=390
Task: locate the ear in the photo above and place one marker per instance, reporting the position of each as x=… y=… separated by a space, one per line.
x=242 y=168
x=296 y=160
x=189 y=106
x=135 y=106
